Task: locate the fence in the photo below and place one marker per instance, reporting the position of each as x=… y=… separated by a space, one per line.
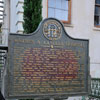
x=95 y=88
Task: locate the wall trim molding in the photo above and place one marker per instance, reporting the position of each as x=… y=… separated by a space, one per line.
x=19 y=2
x=19 y=22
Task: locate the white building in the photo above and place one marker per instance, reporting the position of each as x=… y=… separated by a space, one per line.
x=13 y=18
x=81 y=19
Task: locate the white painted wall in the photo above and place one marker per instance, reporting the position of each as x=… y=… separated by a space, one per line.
x=13 y=18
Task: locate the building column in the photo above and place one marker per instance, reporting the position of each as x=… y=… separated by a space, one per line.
x=19 y=12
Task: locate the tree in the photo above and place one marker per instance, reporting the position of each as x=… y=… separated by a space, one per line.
x=32 y=15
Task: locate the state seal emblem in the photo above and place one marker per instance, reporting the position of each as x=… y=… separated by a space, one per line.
x=52 y=30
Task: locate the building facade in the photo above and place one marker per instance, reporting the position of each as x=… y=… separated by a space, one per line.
x=13 y=18
x=81 y=19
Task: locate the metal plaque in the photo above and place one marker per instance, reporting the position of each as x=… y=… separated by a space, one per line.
x=47 y=63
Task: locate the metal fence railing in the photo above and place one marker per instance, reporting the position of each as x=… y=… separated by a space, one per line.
x=95 y=88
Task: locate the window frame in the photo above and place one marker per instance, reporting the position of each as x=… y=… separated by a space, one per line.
x=96 y=5
x=69 y=12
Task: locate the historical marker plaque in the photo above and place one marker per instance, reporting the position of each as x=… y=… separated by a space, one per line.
x=47 y=63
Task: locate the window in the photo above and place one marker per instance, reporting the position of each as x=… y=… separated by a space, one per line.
x=60 y=9
x=97 y=13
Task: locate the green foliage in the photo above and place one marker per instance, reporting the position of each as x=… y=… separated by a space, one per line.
x=32 y=15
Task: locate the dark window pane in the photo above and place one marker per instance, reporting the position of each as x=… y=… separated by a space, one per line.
x=97 y=11
x=97 y=1
x=96 y=20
